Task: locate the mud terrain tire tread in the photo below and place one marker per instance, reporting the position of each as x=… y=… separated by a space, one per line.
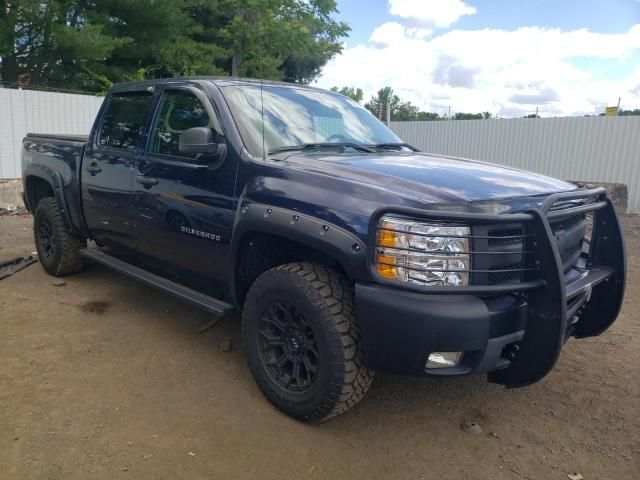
x=67 y=259
x=330 y=295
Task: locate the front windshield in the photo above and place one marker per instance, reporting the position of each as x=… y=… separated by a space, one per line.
x=298 y=116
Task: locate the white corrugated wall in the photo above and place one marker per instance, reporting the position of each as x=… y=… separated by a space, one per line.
x=596 y=149
x=23 y=111
x=591 y=149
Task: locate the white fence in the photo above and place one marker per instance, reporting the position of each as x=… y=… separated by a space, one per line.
x=590 y=149
x=594 y=149
x=23 y=111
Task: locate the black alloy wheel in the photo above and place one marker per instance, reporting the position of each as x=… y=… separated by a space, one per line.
x=58 y=249
x=288 y=349
x=302 y=341
x=46 y=241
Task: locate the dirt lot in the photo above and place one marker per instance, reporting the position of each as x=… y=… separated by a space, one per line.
x=105 y=378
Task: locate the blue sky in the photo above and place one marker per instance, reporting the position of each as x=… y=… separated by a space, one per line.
x=572 y=56
x=605 y=16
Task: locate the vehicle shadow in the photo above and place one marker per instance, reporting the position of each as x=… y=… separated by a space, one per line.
x=392 y=398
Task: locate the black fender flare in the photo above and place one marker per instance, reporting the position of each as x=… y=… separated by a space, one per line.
x=343 y=246
x=54 y=179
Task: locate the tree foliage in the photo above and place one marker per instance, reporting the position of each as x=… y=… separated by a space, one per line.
x=627 y=113
x=88 y=44
x=405 y=110
x=467 y=116
x=355 y=94
x=400 y=110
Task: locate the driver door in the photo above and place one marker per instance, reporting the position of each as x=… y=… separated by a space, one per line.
x=183 y=208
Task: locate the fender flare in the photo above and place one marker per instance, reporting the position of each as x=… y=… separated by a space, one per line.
x=345 y=247
x=54 y=179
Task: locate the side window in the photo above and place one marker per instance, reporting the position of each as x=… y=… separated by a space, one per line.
x=123 y=123
x=180 y=110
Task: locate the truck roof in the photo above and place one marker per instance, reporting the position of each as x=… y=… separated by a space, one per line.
x=220 y=81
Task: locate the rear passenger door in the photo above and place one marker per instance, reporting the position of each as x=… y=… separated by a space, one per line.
x=184 y=209
x=108 y=166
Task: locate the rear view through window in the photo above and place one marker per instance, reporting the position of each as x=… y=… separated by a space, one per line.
x=124 y=121
x=180 y=111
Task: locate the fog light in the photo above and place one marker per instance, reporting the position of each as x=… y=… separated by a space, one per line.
x=443 y=359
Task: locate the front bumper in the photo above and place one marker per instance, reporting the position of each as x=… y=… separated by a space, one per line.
x=400 y=329
x=514 y=331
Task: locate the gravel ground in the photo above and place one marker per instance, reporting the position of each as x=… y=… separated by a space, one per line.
x=105 y=378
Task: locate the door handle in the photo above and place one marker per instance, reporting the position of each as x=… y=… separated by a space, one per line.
x=147 y=182
x=93 y=168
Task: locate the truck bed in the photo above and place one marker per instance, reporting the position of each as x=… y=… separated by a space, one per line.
x=55 y=159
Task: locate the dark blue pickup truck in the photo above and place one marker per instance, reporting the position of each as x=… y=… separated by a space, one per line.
x=347 y=250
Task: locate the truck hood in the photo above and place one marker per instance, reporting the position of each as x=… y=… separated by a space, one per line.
x=432 y=177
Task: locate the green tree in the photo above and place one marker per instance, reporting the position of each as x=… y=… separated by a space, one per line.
x=282 y=39
x=403 y=111
x=400 y=110
x=160 y=40
x=354 y=94
x=468 y=116
x=86 y=44
x=51 y=41
x=378 y=103
x=428 y=116
x=314 y=39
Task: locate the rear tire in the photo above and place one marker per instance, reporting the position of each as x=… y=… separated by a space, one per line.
x=58 y=251
x=303 y=342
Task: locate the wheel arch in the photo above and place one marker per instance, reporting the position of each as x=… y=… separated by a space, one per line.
x=40 y=182
x=266 y=237
x=35 y=189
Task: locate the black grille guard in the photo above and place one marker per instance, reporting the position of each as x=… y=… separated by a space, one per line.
x=557 y=308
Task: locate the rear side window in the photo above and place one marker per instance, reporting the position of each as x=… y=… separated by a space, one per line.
x=124 y=121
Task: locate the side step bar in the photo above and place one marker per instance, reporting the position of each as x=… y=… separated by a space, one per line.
x=210 y=304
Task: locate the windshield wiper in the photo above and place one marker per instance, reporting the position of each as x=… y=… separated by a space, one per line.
x=392 y=146
x=319 y=146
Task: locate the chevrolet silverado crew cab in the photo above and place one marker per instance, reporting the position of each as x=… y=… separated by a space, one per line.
x=346 y=250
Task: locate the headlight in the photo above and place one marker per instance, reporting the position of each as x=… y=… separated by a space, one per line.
x=422 y=253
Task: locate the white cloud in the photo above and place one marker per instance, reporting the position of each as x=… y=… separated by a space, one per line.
x=430 y=13
x=535 y=96
x=392 y=33
x=502 y=71
x=387 y=34
x=422 y=33
x=451 y=71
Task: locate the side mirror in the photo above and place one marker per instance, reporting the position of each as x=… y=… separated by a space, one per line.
x=198 y=142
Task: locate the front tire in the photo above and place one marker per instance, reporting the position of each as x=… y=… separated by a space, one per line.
x=58 y=251
x=303 y=342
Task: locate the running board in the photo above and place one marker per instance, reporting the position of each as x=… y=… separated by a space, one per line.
x=210 y=304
